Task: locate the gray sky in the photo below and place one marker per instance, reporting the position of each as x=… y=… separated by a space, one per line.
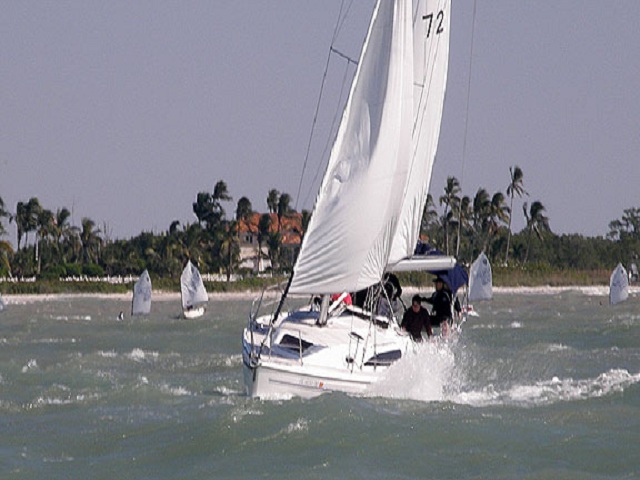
x=123 y=111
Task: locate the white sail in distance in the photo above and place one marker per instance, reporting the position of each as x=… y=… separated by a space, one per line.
x=368 y=184
x=618 y=285
x=480 y=279
x=141 y=303
x=192 y=288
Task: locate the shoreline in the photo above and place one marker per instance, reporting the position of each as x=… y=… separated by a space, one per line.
x=164 y=296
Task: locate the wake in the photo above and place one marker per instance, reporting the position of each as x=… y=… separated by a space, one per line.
x=551 y=391
x=430 y=372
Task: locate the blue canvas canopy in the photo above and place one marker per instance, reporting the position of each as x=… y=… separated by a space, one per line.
x=455 y=277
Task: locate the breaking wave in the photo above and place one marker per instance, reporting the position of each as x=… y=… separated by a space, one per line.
x=549 y=391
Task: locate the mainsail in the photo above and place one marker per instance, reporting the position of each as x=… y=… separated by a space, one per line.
x=618 y=285
x=141 y=304
x=480 y=279
x=1 y=304
x=369 y=207
x=430 y=65
x=192 y=287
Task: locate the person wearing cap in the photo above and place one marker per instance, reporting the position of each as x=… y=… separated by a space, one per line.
x=440 y=300
x=416 y=318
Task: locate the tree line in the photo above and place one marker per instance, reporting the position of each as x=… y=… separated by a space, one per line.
x=48 y=246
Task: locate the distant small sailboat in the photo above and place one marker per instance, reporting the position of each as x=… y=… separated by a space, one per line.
x=618 y=285
x=480 y=279
x=194 y=295
x=2 y=305
x=141 y=304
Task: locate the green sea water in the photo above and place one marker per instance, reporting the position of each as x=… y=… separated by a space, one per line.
x=539 y=386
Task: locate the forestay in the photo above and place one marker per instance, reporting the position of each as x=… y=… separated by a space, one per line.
x=480 y=279
x=192 y=287
x=141 y=304
x=369 y=207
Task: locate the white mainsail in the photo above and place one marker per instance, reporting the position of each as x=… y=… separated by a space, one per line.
x=192 y=287
x=1 y=304
x=431 y=60
x=618 y=285
x=141 y=303
x=480 y=279
x=373 y=192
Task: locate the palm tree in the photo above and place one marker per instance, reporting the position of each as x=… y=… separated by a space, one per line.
x=230 y=248
x=481 y=213
x=193 y=242
x=284 y=207
x=173 y=227
x=627 y=227
x=450 y=200
x=465 y=213
x=536 y=223
x=244 y=210
x=3 y=213
x=305 y=219
x=272 y=200
x=430 y=224
x=26 y=218
x=72 y=245
x=221 y=193
x=515 y=188
x=61 y=231
x=5 y=252
x=499 y=213
x=90 y=240
x=45 y=229
x=264 y=228
x=168 y=252
x=208 y=206
x=274 y=242
x=202 y=207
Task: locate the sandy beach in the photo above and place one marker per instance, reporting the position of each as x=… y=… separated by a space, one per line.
x=163 y=296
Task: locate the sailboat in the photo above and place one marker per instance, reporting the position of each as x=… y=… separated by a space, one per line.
x=618 y=285
x=480 y=279
x=366 y=219
x=141 y=303
x=2 y=306
x=194 y=295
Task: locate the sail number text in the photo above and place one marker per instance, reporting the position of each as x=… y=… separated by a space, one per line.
x=438 y=23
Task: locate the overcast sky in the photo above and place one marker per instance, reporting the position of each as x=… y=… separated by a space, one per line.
x=123 y=111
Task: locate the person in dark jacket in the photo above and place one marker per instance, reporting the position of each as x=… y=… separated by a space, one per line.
x=440 y=300
x=416 y=318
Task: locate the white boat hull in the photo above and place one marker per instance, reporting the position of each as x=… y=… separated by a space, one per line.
x=273 y=380
x=339 y=360
x=193 y=312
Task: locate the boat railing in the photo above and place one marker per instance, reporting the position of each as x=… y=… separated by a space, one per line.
x=351 y=359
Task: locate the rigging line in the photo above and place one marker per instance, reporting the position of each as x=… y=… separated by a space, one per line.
x=331 y=136
x=313 y=125
x=466 y=120
x=339 y=23
x=346 y=57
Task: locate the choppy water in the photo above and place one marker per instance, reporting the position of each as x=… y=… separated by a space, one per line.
x=538 y=387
